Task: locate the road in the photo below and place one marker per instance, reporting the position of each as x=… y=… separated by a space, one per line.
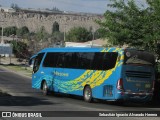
x=23 y=98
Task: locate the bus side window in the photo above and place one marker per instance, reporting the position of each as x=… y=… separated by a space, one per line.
x=85 y=60
x=109 y=60
x=37 y=62
x=61 y=60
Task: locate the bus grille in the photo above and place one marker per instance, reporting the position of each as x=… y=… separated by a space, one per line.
x=138 y=74
x=107 y=90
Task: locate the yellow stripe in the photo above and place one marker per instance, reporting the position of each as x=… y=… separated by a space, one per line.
x=90 y=77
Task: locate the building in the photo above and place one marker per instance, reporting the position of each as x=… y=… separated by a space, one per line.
x=93 y=43
x=7 y=9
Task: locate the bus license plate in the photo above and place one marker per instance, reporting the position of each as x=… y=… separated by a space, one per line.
x=147 y=85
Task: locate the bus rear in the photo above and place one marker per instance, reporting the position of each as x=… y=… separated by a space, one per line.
x=138 y=76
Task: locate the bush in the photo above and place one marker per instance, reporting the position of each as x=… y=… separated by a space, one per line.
x=20 y=49
x=79 y=34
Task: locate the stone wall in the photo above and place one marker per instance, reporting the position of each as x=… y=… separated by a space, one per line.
x=34 y=21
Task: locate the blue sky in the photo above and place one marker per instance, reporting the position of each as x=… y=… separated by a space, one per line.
x=91 y=6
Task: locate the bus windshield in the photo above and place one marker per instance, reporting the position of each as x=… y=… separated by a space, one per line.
x=138 y=57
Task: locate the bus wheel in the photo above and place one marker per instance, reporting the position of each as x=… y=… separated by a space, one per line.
x=87 y=94
x=45 y=88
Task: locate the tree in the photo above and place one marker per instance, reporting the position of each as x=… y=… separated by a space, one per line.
x=153 y=26
x=98 y=34
x=57 y=37
x=42 y=35
x=22 y=31
x=79 y=34
x=55 y=27
x=20 y=49
x=124 y=24
x=15 y=6
x=10 y=31
x=132 y=25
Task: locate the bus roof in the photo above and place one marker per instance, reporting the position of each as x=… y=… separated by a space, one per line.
x=79 y=49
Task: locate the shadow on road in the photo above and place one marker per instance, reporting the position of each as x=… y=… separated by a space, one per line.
x=23 y=101
x=152 y=104
x=144 y=105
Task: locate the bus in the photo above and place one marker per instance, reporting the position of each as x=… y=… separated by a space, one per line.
x=111 y=74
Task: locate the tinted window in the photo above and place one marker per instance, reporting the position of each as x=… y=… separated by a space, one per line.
x=85 y=60
x=109 y=60
x=97 y=62
x=71 y=60
x=81 y=60
x=61 y=60
x=51 y=60
x=37 y=62
x=104 y=60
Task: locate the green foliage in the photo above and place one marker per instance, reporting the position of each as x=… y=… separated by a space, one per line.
x=10 y=31
x=124 y=25
x=42 y=35
x=153 y=26
x=20 y=49
x=22 y=31
x=132 y=25
x=57 y=36
x=55 y=27
x=98 y=34
x=79 y=34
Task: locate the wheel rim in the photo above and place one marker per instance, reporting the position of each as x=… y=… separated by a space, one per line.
x=44 y=88
x=87 y=94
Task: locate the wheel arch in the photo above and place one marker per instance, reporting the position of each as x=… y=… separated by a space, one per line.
x=42 y=83
x=87 y=85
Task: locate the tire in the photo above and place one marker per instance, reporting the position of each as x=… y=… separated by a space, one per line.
x=87 y=94
x=45 y=88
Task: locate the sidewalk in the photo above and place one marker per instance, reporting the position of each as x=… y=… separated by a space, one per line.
x=15 y=66
x=13 y=60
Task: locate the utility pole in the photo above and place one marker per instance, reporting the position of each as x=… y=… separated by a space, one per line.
x=2 y=41
x=93 y=32
x=64 y=34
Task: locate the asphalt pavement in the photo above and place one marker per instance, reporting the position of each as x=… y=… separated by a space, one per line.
x=21 y=97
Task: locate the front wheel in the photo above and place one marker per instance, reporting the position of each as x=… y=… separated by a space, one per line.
x=87 y=94
x=45 y=88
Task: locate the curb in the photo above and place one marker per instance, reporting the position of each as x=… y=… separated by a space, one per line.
x=14 y=72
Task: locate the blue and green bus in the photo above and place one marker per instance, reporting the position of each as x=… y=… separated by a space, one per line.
x=112 y=74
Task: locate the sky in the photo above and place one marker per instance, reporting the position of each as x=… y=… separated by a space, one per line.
x=89 y=6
